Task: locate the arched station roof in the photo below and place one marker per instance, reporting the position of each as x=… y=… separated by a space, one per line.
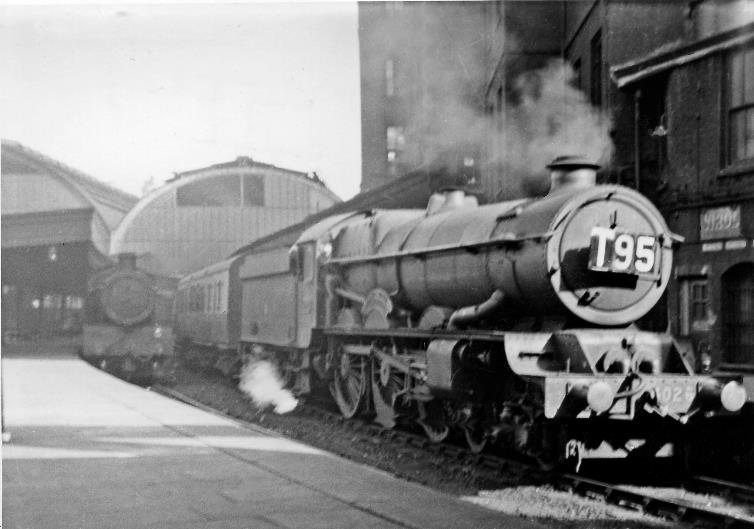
x=39 y=192
x=203 y=215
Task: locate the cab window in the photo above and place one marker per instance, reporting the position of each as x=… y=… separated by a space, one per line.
x=308 y=262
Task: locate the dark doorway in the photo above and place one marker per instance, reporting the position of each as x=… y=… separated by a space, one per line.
x=738 y=314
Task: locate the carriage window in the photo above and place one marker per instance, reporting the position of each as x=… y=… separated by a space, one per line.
x=308 y=262
x=215 y=301
x=293 y=261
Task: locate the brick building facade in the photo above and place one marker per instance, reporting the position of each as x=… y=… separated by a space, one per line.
x=676 y=80
x=695 y=142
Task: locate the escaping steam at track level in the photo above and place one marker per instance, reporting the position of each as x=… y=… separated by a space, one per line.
x=260 y=381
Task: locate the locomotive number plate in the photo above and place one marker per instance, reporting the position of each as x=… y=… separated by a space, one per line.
x=675 y=394
x=620 y=252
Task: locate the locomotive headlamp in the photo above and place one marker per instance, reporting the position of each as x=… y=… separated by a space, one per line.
x=600 y=397
x=730 y=396
x=733 y=396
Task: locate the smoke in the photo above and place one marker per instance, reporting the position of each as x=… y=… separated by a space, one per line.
x=445 y=78
x=549 y=117
x=451 y=58
x=261 y=382
x=545 y=116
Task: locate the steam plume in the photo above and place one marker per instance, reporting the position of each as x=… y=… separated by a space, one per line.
x=261 y=382
x=448 y=108
x=551 y=118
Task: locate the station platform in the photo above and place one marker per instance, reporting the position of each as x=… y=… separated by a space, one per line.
x=88 y=450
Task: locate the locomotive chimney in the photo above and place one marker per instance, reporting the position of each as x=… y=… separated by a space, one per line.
x=572 y=172
x=127 y=260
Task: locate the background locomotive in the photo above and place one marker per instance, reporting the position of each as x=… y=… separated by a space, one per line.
x=128 y=322
x=511 y=323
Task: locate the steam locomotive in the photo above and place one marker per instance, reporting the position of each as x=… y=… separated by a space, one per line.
x=510 y=323
x=127 y=326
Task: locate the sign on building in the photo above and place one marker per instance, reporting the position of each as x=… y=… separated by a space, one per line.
x=720 y=223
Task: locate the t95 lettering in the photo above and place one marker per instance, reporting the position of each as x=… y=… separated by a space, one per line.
x=625 y=253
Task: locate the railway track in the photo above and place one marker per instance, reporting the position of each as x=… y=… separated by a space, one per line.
x=728 y=489
x=669 y=508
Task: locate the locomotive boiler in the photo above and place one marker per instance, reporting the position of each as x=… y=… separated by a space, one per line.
x=598 y=254
x=510 y=323
x=128 y=322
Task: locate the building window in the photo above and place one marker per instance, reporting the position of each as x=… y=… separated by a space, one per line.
x=741 y=106
x=216 y=191
x=699 y=300
x=396 y=142
x=253 y=190
x=577 y=74
x=596 y=69
x=389 y=78
x=694 y=301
